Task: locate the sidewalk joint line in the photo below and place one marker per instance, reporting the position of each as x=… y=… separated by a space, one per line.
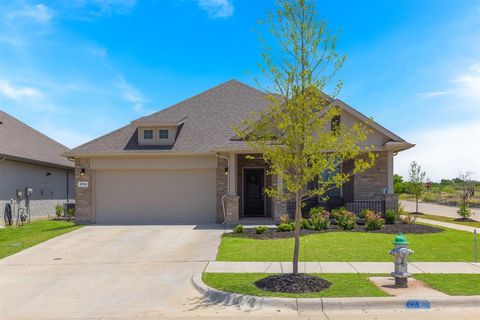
x=351 y=265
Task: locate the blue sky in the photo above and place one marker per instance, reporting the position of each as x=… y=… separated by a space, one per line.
x=77 y=69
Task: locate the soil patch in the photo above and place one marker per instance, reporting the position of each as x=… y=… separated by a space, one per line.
x=272 y=233
x=293 y=283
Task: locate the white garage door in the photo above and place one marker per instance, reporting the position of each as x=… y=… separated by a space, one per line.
x=155 y=196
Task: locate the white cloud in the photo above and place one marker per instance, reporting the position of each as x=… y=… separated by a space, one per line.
x=217 y=8
x=443 y=152
x=40 y=13
x=16 y=92
x=466 y=86
x=131 y=94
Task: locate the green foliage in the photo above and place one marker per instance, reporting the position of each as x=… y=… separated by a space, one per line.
x=339 y=211
x=319 y=221
x=285 y=227
x=70 y=213
x=305 y=224
x=373 y=221
x=345 y=219
x=316 y=210
x=390 y=216
x=399 y=186
x=417 y=181
x=260 y=229
x=238 y=228
x=58 y=210
x=364 y=212
x=464 y=211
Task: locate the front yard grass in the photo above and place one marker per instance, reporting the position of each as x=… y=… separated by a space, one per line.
x=449 y=220
x=14 y=239
x=343 y=285
x=448 y=246
x=453 y=284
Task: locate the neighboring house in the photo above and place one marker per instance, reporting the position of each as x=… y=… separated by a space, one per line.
x=183 y=164
x=29 y=159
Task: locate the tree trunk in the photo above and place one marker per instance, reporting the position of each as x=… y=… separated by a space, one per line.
x=416 y=200
x=298 y=217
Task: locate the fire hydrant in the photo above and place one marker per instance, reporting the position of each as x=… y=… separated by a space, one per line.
x=401 y=253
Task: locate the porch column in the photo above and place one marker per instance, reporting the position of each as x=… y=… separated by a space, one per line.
x=390 y=189
x=232 y=174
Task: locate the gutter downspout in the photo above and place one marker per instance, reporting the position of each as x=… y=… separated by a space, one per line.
x=228 y=190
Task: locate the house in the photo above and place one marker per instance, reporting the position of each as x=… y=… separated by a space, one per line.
x=183 y=165
x=29 y=159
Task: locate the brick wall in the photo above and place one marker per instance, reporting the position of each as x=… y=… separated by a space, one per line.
x=83 y=196
x=370 y=184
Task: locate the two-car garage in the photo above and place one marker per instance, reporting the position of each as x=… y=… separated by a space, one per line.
x=163 y=190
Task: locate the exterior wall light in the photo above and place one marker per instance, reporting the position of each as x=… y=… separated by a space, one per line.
x=82 y=171
x=226 y=170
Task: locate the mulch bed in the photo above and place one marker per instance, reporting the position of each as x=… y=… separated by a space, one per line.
x=293 y=283
x=272 y=233
x=465 y=220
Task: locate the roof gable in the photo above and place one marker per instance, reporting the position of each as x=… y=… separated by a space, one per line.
x=207 y=120
x=22 y=142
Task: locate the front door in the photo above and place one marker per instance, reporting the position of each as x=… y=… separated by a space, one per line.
x=253 y=193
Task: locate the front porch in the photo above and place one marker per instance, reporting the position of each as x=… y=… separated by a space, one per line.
x=242 y=179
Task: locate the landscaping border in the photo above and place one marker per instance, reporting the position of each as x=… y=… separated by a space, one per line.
x=305 y=304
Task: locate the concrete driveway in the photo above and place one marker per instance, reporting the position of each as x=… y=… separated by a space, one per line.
x=437 y=209
x=110 y=272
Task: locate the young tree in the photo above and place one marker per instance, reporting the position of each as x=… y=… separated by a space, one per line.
x=466 y=186
x=417 y=181
x=299 y=134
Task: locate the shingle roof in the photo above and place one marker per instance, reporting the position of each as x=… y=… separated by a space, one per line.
x=208 y=124
x=209 y=118
x=19 y=141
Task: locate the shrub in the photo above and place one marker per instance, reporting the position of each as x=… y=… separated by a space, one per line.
x=305 y=223
x=390 y=216
x=70 y=214
x=260 y=229
x=407 y=219
x=284 y=218
x=316 y=210
x=345 y=219
x=238 y=228
x=338 y=212
x=364 y=212
x=373 y=221
x=319 y=221
x=59 y=210
x=285 y=227
x=464 y=211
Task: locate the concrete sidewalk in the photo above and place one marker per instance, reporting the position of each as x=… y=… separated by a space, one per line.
x=437 y=209
x=447 y=225
x=340 y=267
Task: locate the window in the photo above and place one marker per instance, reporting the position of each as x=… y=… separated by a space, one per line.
x=335 y=124
x=147 y=134
x=163 y=134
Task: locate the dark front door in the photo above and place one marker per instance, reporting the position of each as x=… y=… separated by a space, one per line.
x=253 y=195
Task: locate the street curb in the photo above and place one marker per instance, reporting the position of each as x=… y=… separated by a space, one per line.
x=326 y=304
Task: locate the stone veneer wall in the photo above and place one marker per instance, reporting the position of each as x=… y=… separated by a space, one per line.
x=391 y=202
x=370 y=184
x=83 y=196
x=222 y=185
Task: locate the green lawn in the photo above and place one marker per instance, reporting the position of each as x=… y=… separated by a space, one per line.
x=450 y=245
x=449 y=220
x=453 y=284
x=343 y=285
x=15 y=239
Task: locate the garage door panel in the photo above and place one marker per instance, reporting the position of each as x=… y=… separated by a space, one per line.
x=161 y=196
